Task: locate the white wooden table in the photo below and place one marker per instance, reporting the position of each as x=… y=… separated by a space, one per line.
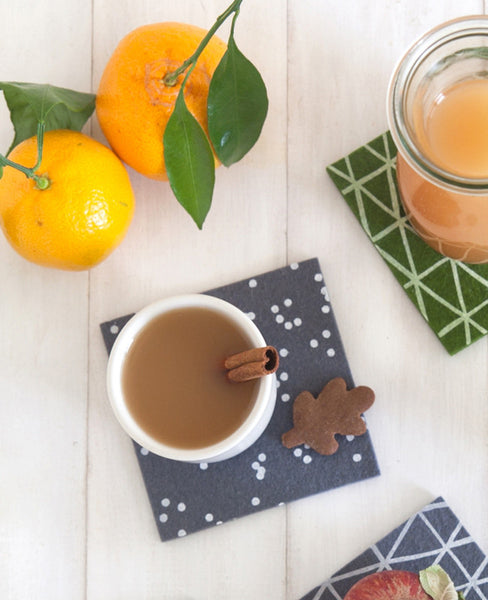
x=74 y=517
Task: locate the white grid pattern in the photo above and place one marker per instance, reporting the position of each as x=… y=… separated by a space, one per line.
x=461 y=317
x=471 y=584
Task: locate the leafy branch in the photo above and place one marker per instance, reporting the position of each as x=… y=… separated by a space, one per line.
x=41 y=181
x=171 y=78
x=237 y=105
x=37 y=108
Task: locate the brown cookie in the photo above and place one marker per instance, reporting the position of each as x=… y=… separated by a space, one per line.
x=336 y=409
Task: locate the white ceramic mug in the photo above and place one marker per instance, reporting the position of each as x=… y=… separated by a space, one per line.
x=248 y=432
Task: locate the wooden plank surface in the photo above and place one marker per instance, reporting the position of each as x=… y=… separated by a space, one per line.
x=44 y=349
x=164 y=254
x=422 y=423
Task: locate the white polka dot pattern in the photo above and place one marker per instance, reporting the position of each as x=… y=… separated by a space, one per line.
x=291 y=307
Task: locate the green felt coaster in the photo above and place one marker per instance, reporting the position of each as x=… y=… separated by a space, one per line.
x=451 y=296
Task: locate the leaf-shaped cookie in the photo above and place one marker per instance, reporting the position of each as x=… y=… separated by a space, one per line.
x=336 y=409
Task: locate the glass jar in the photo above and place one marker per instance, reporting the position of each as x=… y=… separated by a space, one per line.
x=438 y=117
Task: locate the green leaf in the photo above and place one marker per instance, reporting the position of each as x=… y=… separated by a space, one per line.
x=237 y=105
x=59 y=108
x=437 y=583
x=189 y=161
x=1 y=171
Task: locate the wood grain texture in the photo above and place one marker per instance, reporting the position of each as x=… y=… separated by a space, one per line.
x=422 y=422
x=75 y=521
x=165 y=254
x=43 y=355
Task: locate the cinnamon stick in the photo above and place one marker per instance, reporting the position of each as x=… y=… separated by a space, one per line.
x=251 y=364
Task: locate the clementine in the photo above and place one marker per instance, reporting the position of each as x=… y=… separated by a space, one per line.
x=84 y=212
x=134 y=104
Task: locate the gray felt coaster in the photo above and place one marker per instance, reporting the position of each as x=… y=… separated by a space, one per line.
x=292 y=309
x=434 y=535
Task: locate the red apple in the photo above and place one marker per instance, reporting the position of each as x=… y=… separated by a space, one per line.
x=388 y=585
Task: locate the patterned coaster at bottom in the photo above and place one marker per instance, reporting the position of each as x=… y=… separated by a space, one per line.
x=434 y=535
x=291 y=307
x=450 y=295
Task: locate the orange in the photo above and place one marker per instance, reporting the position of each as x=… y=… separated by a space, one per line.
x=133 y=103
x=84 y=213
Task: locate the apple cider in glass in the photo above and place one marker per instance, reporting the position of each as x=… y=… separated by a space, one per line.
x=438 y=114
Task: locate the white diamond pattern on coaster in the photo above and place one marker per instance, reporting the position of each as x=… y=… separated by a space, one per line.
x=451 y=296
x=434 y=535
